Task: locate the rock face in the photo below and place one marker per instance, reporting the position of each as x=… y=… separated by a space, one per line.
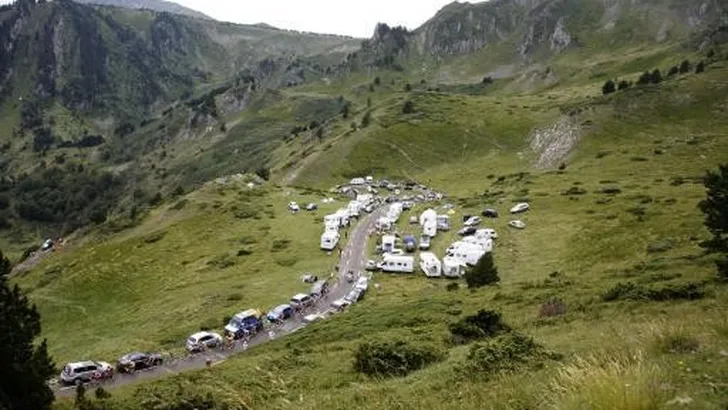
x=156 y=5
x=529 y=27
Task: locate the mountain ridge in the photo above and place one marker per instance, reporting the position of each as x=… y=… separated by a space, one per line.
x=155 y=5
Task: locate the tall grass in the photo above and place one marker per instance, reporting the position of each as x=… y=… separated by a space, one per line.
x=608 y=382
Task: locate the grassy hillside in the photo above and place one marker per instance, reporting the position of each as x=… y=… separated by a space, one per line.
x=607 y=276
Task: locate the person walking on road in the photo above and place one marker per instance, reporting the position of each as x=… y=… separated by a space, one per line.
x=271 y=334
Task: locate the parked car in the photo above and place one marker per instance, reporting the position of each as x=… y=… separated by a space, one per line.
x=203 y=340
x=293 y=207
x=47 y=245
x=371 y=265
x=245 y=323
x=517 y=224
x=319 y=289
x=138 y=361
x=410 y=244
x=311 y=207
x=309 y=278
x=424 y=242
x=280 y=312
x=467 y=231
x=340 y=304
x=354 y=296
x=490 y=213
x=472 y=221
x=313 y=317
x=83 y=372
x=301 y=301
x=466 y=217
x=520 y=208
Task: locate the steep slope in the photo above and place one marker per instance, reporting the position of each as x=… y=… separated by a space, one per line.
x=155 y=5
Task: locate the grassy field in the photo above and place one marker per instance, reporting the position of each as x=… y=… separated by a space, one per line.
x=194 y=261
x=611 y=240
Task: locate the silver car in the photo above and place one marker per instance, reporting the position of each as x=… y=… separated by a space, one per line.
x=83 y=372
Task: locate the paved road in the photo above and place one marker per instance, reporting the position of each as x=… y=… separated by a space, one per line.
x=353 y=258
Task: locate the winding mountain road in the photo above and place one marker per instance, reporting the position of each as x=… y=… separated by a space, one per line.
x=353 y=257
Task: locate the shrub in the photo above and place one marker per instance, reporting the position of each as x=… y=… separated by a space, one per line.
x=700 y=67
x=367 y=119
x=408 y=107
x=280 y=244
x=487 y=80
x=676 y=340
x=552 y=307
x=155 y=237
x=574 y=191
x=483 y=273
x=452 y=287
x=673 y=71
x=645 y=78
x=685 y=67
x=505 y=353
x=377 y=81
x=608 y=87
x=408 y=87
x=656 y=76
x=393 y=358
x=486 y=323
x=623 y=85
x=263 y=173
x=631 y=291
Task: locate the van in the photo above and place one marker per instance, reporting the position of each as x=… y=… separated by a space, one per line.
x=469 y=253
x=301 y=301
x=398 y=264
x=452 y=267
x=388 y=243
x=430 y=265
x=329 y=240
x=319 y=289
x=484 y=243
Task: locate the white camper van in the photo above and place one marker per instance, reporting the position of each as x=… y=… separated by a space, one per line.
x=384 y=224
x=430 y=229
x=329 y=240
x=398 y=264
x=429 y=216
x=452 y=268
x=353 y=208
x=469 y=253
x=485 y=243
x=388 y=243
x=443 y=222
x=430 y=265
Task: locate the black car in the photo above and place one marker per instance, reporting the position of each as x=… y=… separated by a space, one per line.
x=138 y=361
x=490 y=213
x=466 y=217
x=467 y=231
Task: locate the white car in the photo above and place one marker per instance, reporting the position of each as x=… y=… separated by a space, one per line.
x=357 y=181
x=472 y=221
x=293 y=207
x=340 y=304
x=84 y=372
x=486 y=233
x=313 y=318
x=202 y=341
x=520 y=208
x=517 y=224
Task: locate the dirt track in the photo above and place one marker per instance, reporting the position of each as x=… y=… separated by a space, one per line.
x=353 y=258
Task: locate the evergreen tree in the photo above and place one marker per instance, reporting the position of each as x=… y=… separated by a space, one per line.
x=377 y=81
x=320 y=133
x=673 y=71
x=345 y=111
x=623 y=85
x=409 y=107
x=656 y=76
x=700 y=67
x=26 y=366
x=645 y=78
x=483 y=273
x=408 y=87
x=608 y=87
x=685 y=67
x=711 y=53
x=366 y=119
x=715 y=208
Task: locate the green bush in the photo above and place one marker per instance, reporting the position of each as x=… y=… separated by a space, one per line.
x=394 y=358
x=505 y=353
x=483 y=273
x=486 y=323
x=280 y=244
x=631 y=291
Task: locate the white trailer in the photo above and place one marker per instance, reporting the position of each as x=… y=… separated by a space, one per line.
x=452 y=268
x=384 y=224
x=428 y=217
x=398 y=264
x=485 y=243
x=354 y=208
x=329 y=240
x=430 y=229
x=430 y=265
x=388 y=243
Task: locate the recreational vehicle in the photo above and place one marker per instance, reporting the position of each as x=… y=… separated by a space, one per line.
x=398 y=264
x=443 y=222
x=384 y=224
x=354 y=208
x=430 y=265
x=469 y=253
x=388 y=242
x=485 y=243
x=329 y=240
x=430 y=228
x=428 y=217
x=452 y=268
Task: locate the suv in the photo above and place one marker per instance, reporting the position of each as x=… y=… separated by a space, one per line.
x=138 y=361
x=203 y=340
x=301 y=301
x=83 y=372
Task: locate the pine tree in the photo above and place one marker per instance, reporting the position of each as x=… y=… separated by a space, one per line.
x=656 y=76
x=715 y=208
x=685 y=67
x=345 y=111
x=673 y=71
x=408 y=108
x=645 y=78
x=408 y=87
x=366 y=119
x=700 y=67
x=608 y=87
x=483 y=273
x=623 y=85
x=26 y=366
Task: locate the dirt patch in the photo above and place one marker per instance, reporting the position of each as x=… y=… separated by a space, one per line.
x=553 y=144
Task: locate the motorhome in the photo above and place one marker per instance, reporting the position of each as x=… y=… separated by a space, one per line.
x=428 y=217
x=388 y=243
x=395 y=210
x=485 y=243
x=430 y=229
x=384 y=224
x=452 y=267
x=329 y=240
x=354 y=208
x=469 y=253
x=443 y=222
x=398 y=264
x=430 y=265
